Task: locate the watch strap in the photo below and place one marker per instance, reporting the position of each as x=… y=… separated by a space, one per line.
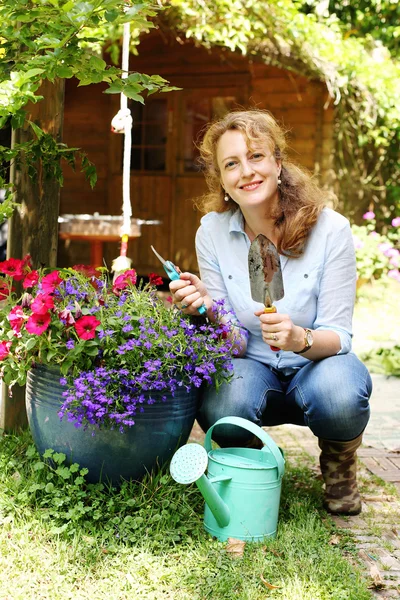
x=308 y=345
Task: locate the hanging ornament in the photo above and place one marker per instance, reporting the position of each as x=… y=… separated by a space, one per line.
x=122 y=123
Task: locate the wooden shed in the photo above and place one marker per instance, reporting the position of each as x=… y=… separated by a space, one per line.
x=165 y=176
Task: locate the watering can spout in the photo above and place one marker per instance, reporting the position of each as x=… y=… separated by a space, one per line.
x=213 y=500
x=187 y=466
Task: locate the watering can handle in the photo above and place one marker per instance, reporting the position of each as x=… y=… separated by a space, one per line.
x=253 y=428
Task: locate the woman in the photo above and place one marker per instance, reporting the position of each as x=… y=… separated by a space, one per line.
x=311 y=377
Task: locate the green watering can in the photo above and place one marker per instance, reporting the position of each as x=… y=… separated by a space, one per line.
x=243 y=487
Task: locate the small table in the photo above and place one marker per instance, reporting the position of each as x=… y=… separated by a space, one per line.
x=97 y=229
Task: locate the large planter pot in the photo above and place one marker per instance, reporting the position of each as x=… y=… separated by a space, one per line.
x=108 y=454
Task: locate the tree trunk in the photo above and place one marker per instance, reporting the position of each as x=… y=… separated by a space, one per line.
x=33 y=228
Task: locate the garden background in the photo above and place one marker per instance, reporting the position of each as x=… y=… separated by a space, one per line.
x=63 y=538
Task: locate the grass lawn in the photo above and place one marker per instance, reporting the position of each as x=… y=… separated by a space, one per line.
x=61 y=538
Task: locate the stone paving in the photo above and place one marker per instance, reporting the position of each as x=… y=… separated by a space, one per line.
x=377 y=529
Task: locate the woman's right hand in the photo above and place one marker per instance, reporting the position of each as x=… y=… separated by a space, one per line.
x=189 y=293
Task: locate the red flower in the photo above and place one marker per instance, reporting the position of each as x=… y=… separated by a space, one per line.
x=16 y=318
x=85 y=327
x=13 y=267
x=30 y=280
x=4 y=349
x=42 y=303
x=155 y=279
x=124 y=280
x=37 y=324
x=50 y=282
x=86 y=270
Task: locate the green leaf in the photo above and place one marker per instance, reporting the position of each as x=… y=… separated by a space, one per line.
x=133 y=95
x=31 y=343
x=38 y=131
x=64 y=72
x=97 y=63
x=111 y=15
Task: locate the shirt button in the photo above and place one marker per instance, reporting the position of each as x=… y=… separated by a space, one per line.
x=277 y=355
x=230 y=277
x=305 y=276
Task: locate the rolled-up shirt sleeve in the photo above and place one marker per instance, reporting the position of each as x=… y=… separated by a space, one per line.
x=338 y=287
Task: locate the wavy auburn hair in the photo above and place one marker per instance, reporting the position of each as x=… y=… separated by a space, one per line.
x=300 y=199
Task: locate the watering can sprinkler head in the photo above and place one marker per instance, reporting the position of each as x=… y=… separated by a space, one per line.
x=189 y=463
x=188 y=466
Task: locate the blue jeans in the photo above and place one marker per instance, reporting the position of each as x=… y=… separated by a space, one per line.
x=330 y=396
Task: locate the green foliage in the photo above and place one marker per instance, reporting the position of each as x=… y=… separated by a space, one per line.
x=383 y=360
x=146 y=540
x=372 y=262
x=370 y=19
x=50 y=153
x=49 y=39
x=61 y=38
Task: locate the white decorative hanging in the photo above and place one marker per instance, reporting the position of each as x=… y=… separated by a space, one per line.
x=122 y=123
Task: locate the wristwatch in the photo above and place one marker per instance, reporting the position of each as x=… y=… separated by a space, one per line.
x=308 y=340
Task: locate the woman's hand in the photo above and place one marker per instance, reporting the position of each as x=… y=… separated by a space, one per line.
x=189 y=293
x=279 y=330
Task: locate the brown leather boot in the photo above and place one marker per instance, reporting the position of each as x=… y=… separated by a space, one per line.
x=338 y=461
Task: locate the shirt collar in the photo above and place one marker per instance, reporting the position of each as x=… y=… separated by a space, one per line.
x=236 y=222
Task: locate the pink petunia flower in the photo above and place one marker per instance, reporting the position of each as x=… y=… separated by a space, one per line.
x=85 y=327
x=30 y=280
x=66 y=317
x=155 y=279
x=4 y=349
x=385 y=247
x=13 y=267
x=369 y=215
x=42 y=303
x=16 y=318
x=37 y=323
x=396 y=222
x=394 y=274
x=124 y=280
x=50 y=282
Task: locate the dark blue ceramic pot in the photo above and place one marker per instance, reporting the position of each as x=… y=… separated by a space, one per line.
x=109 y=455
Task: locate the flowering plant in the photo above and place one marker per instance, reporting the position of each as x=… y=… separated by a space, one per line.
x=114 y=343
x=377 y=255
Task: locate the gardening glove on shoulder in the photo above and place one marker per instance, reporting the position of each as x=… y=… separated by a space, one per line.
x=338 y=461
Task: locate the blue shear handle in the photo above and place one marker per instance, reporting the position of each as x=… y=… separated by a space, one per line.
x=174 y=275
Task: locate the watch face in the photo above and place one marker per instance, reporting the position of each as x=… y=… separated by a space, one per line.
x=309 y=338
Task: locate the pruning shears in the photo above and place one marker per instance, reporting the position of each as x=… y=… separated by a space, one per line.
x=174 y=274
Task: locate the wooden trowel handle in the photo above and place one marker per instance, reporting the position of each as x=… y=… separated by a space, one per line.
x=271 y=309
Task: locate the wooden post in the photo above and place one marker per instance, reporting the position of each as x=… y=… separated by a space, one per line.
x=33 y=229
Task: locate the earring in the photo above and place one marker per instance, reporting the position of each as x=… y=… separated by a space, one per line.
x=279 y=181
x=226 y=198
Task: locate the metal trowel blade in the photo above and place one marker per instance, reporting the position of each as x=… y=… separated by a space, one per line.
x=265 y=272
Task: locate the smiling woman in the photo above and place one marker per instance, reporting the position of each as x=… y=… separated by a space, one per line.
x=309 y=377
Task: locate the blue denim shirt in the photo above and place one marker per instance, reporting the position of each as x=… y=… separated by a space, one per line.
x=319 y=286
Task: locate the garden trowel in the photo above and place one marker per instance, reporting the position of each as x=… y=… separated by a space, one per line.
x=265 y=273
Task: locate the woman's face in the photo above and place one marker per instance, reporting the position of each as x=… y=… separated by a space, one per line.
x=249 y=176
